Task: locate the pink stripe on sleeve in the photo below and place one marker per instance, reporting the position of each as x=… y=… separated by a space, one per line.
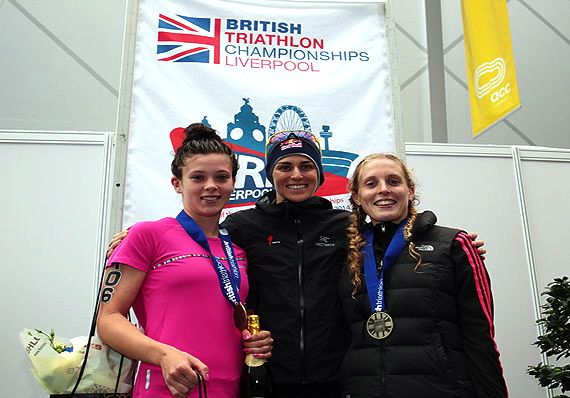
x=479 y=275
x=482 y=285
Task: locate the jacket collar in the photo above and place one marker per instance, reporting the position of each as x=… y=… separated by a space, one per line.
x=424 y=221
x=267 y=204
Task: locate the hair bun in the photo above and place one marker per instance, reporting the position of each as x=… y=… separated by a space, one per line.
x=200 y=132
x=200 y=139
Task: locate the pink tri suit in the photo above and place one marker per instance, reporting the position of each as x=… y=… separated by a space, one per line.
x=180 y=303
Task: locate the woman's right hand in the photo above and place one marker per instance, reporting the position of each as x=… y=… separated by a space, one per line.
x=179 y=370
x=115 y=240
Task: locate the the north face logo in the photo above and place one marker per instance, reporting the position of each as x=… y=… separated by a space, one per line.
x=424 y=248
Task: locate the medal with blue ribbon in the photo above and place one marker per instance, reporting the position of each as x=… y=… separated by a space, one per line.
x=380 y=324
x=229 y=281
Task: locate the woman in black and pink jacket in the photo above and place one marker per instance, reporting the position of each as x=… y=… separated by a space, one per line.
x=416 y=295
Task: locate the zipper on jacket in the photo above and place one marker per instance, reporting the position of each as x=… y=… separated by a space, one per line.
x=301 y=297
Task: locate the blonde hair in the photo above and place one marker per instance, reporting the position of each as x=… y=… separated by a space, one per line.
x=357 y=220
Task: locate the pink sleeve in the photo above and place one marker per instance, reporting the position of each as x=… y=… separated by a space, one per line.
x=137 y=249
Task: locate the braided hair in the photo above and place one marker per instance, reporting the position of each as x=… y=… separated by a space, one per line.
x=357 y=220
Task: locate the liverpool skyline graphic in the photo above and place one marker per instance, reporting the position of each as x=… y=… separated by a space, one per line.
x=247 y=137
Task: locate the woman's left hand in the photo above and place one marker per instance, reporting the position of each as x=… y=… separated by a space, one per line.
x=259 y=344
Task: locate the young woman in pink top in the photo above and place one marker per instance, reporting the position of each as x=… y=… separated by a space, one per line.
x=185 y=281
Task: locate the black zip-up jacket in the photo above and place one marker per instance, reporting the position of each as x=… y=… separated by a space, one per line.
x=295 y=252
x=442 y=344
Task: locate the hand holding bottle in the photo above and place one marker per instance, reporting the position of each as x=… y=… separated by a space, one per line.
x=258 y=344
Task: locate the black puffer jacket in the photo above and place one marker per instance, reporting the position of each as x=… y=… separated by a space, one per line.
x=295 y=252
x=442 y=342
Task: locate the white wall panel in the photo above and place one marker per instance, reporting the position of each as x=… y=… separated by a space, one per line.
x=52 y=212
x=474 y=188
x=546 y=195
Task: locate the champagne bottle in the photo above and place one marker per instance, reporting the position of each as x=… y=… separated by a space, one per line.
x=255 y=374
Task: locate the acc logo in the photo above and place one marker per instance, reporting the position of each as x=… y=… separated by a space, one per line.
x=489 y=76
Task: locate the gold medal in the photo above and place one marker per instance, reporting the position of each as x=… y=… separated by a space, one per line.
x=379 y=325
x=240 y=317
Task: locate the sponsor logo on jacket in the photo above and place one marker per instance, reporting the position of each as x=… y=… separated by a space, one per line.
x=271 y=241
x=324 y=241
x=424 y=248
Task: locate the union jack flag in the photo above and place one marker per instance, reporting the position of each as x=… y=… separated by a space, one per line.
x=188 y=39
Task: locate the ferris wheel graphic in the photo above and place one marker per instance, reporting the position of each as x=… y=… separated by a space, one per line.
x=288 y=117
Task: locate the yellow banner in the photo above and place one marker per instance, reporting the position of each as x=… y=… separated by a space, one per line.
x=491 y=74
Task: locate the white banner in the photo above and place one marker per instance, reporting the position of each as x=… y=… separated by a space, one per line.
x=249 y=68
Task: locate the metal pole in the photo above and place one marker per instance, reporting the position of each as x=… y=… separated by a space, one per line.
x=436 y=68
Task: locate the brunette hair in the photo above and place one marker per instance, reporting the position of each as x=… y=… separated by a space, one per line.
x=356 y=240
x=201 y=140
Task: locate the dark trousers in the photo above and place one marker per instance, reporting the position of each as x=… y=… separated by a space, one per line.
x=310 y=390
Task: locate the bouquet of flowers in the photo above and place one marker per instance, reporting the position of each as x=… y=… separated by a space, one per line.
x=56 y=362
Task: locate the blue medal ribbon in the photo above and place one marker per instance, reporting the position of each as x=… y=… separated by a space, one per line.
x=229 y=281
x=375 y=282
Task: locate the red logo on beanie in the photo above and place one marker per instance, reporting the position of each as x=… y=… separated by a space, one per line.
x=292 y=143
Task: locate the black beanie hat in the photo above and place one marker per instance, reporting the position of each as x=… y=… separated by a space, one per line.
x=294 y=144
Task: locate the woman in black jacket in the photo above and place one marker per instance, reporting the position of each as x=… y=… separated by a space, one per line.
x=416 y=296
x=296 y=246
